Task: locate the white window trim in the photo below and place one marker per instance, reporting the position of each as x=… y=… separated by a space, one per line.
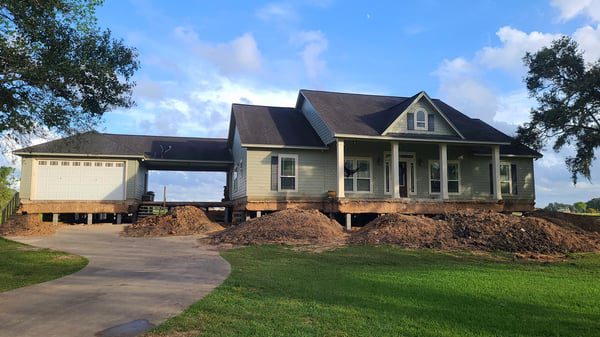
x=510 y=188
x=426 y=127
x=355 y=177
x=457 y=162
x=296 y=170
x=409 y=161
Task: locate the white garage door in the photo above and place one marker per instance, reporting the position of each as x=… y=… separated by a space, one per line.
x=79 y=180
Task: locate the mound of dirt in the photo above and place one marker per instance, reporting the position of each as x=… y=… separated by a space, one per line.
x=181 y=220
x=479 y=230
x=496 y=231
x=407 y=231
x=570 y=220
x=292 y=226
x=27 y=225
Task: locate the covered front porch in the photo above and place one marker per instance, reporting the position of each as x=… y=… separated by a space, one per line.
x=418 y=171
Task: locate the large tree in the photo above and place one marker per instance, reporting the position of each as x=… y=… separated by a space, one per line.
x=59 y=72
x=567 y=90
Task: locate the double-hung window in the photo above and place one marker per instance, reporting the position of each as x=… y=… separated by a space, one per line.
x=357 y=175
x=435 y=177
x=288 y=172
x=421 y=120
x=505 y=179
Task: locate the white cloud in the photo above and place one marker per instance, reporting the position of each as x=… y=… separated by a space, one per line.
x=589 y=40
x=570 y=9
x=277 y=12
x=240 y=55
x=515 y=43
x=514 y=107
x=313 y=44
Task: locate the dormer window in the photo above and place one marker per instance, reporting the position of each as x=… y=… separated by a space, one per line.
x=421 y=120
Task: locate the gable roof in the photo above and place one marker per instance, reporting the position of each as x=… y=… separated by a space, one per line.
x=135 y=146
x=272 y=126
x=370 y=115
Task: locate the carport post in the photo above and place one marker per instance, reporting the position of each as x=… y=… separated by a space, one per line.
x=119 y=219
x=348 y=221
x=55 y=218
x=90 y=218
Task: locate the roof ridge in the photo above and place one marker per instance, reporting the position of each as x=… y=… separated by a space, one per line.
x=264 y=106
x=351 y=93
x=160 y=136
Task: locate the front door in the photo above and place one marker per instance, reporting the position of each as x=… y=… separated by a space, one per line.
x=403 y=180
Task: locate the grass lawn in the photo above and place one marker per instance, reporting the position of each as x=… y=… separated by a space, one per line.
x=387 y=291
x=23 y=265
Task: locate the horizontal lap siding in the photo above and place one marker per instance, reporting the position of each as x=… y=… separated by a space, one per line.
x=26 y=178
x=441 y=126
x=239 y=155
x=314 y=177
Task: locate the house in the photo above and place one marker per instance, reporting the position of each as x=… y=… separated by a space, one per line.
x=337 y=152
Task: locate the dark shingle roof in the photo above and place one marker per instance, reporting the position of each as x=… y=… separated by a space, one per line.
x=267 y=125
x=173 y=148
x=370 y=115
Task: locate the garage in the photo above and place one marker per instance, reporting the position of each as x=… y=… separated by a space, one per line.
x=98 y=180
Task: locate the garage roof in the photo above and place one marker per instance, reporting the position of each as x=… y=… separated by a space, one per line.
x=151 y=148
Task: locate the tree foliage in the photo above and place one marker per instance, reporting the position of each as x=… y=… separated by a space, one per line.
x=58 y=71
x=6 y=182
x=594 y=203
x=567 y=91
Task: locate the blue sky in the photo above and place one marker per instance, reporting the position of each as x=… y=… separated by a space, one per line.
x=197 y=57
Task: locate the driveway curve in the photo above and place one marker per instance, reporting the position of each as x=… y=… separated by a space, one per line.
x=129 y=285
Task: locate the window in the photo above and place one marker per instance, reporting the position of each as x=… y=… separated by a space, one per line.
x=505 y=179
x=421 y=120
x=53 y=163
x=87 y=163
x=288 y=170
x=357 y=175
x=108 y=164
x=98 y=164
x=76 y=163
x=435 y=178
x=119 y=164
x=42 y=162
x=235 y=180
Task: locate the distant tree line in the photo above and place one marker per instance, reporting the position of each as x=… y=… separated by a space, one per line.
x=592 y=206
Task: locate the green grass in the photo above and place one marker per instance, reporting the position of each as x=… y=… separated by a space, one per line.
x=23 y=265
x=387 y=291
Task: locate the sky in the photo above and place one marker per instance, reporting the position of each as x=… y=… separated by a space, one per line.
x=198 y=57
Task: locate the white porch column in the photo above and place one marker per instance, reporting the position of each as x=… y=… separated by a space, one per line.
x=496 y=172
x=395 y=181
x=443 y=171
x=340 y=169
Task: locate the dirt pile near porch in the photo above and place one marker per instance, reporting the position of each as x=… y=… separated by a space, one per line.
x=28 y=225
x=407 y=231
x=291 y=226
x=489 y=231
x=181 y=220
x=496 y=231
x=570 y=220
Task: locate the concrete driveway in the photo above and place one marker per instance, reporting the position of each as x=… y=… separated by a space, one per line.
x=130 y=285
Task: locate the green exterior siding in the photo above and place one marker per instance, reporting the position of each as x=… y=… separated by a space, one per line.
x=441 y=126
x=239 y=162
x=317 y=171
x=26 y=176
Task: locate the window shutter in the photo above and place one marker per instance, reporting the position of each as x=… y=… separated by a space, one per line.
x=492 y=181
x=274 y=172
x=410 y=119
x=431 y=122
x=513 y=178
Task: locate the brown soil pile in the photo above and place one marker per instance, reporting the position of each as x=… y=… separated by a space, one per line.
x=407 y=231
x=292 y=226
x=182 y=220
x=27 y=225
x=496 y=231
x=570 y=220
x=480 y=230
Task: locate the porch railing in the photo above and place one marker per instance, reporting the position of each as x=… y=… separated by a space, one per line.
x=10 y=208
